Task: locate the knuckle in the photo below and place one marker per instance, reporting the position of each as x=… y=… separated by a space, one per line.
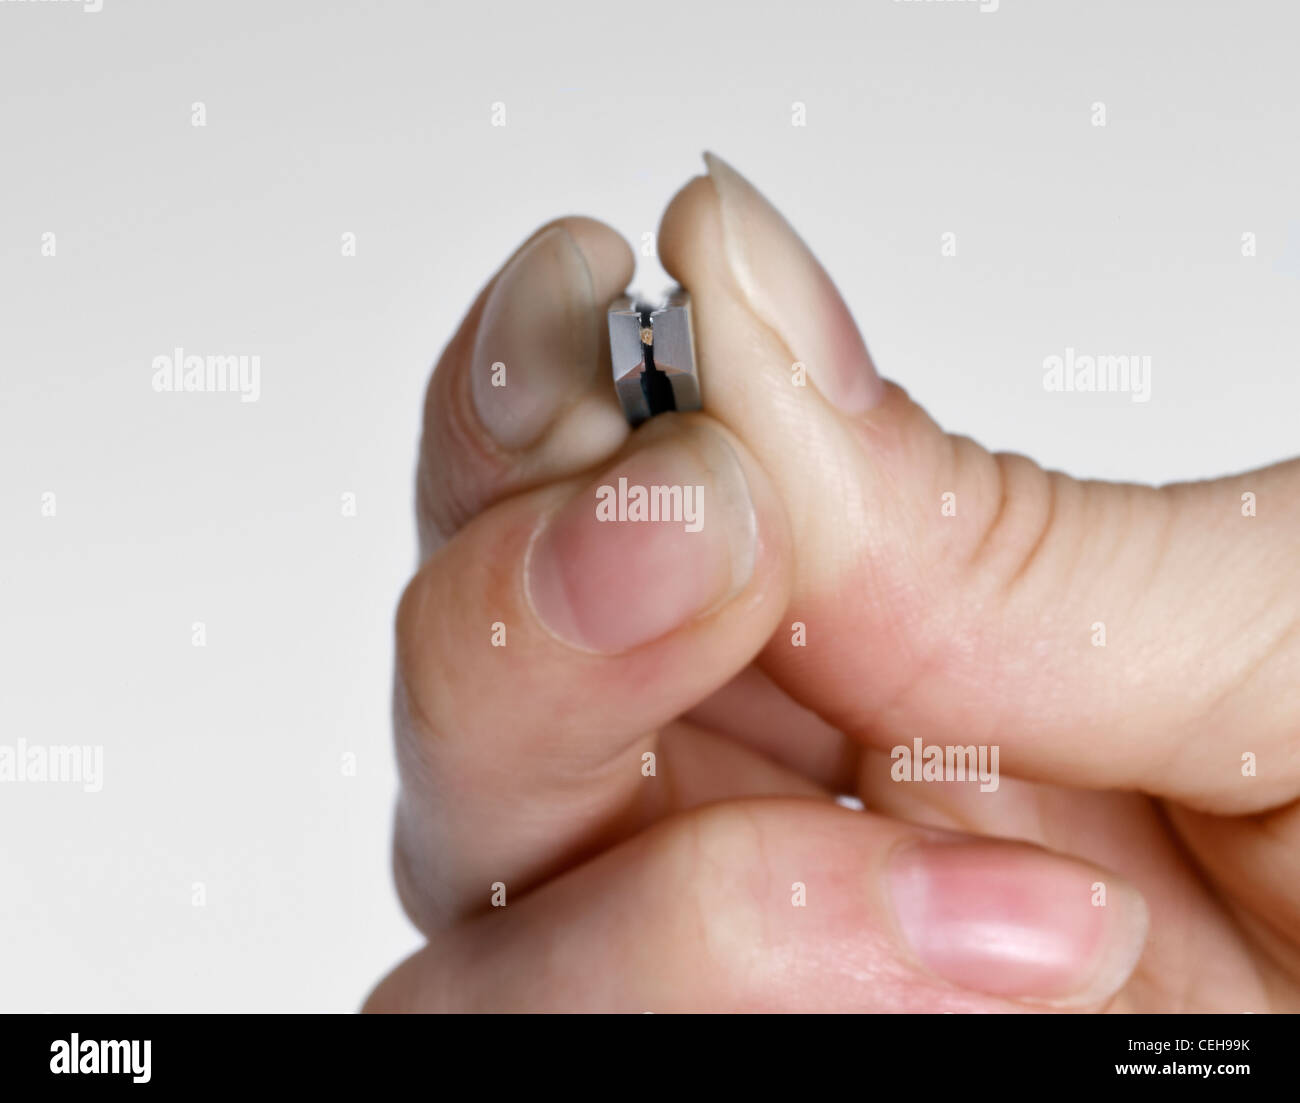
x=716 y=862
x=1019 y=506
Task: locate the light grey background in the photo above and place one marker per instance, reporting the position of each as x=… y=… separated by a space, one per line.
x=223 y=764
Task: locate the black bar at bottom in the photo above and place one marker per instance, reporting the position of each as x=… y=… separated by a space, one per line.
x=1229 y=1055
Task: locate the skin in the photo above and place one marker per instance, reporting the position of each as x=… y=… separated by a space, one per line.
x=1121 y=765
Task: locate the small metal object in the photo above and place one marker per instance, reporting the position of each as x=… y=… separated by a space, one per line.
x=652 y=350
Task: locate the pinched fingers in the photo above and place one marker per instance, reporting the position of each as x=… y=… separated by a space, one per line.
x=521 y=394
x=541 y=648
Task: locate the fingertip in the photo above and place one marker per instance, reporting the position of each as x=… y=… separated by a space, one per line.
x=608 y=256
x=1016 y=921
x=692 y=218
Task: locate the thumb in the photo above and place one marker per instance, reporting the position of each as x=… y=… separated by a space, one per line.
x=1103 y=635
x=792 y=905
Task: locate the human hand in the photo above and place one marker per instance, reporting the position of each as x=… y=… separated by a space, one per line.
x=523 y=764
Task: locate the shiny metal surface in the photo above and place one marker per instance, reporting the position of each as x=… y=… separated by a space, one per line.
x=652 y=352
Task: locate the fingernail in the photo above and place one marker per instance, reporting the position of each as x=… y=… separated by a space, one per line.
x=536 y=345
x=789 y=289
x=663 y=537
x=1016 y=922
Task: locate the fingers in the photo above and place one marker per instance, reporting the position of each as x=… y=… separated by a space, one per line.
x=1104 y=635
x=517 y=397
x=1255 y=861
x=1195 y=960
x=539 y=650
x=783 y=905
x=752 y=710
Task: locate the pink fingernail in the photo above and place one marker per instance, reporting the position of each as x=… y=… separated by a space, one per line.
x=536 y=345
x=658 y=540
x=1013 y=921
